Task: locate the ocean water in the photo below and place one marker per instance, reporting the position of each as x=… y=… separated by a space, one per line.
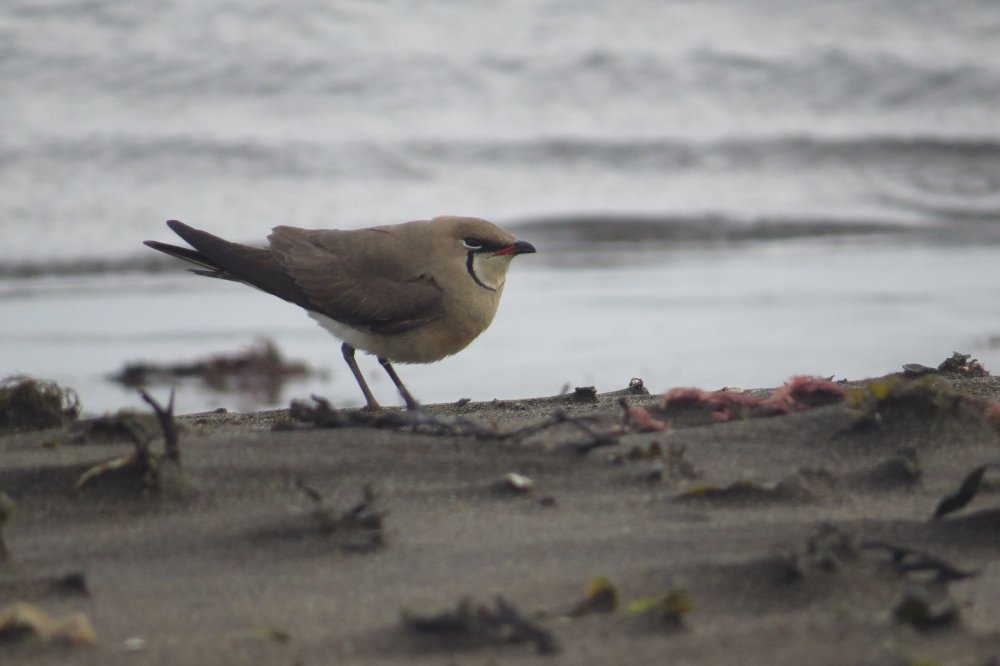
x=722 y=193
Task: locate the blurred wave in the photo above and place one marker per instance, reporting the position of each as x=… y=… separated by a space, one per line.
x=243 y=115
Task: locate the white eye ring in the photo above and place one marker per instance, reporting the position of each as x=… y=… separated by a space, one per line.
x=472 y=244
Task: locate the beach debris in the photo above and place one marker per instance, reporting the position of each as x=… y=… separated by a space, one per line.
x=134 y=644
x=963 y=364
x=801 y=393
x=320 y=413
x=637 y=419
x=956 y=364
x=475 y=623
x=599 y=597
x=6 y=511
x=27 y=403
x=914 y=370
x=637 y=387
x=668 y=608
x=171 y=446
x=925 y=608
x=153 y=473
x=258 y=369
x=515 y=483
x=323 y=415
x=582 y=394
x=722 y=405
x=965 y=493
x=800 y=486
x=907 y=560
x=21 y=620
x=361 y=528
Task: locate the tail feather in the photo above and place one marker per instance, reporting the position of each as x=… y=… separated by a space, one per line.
x=206 y=266
x=219 y=258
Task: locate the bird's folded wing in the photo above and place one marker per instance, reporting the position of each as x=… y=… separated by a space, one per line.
x=363 y=278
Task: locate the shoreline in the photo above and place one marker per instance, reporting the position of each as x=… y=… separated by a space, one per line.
x=299 y=544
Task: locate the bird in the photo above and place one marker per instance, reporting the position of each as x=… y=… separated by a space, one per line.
x=414 y=292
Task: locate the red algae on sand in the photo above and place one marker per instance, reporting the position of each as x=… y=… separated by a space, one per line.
x=723 y=405
x=798 y=394
x=803 y=392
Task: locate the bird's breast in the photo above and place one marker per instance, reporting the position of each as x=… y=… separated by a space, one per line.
x=461 y=322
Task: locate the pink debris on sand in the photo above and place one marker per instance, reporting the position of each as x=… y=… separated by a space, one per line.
x=684 y=397
x=798 y=394
x=724 y=405
x=637 y=419
x=801 y=393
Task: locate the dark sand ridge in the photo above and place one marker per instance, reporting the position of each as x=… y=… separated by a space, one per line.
x=228 y=565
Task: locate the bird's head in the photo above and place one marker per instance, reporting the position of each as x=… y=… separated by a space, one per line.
x=484 y=249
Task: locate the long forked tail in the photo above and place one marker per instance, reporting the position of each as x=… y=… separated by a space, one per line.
x=218 y=258
x=206 y=266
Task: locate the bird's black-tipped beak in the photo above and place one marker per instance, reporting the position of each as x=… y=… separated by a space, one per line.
x=520 y=247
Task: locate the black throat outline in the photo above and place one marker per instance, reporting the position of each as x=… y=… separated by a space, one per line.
x=468 y=267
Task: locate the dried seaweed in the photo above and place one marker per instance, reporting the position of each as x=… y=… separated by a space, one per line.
x=479 y=624
x=359 y=528
x=27 y=403
x=259 y=370
x=965 y=493
x=956 y=364
x=154 y=472
x=322 y=414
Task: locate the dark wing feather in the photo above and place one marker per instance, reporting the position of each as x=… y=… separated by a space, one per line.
x=358 y=277
x=335 y=273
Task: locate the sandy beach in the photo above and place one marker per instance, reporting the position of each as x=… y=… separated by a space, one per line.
x=703 y=529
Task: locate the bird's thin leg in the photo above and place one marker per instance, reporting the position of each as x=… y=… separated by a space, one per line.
x=410 y=402
x=353 y=365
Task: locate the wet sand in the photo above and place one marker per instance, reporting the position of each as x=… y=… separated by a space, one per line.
x=776 y=532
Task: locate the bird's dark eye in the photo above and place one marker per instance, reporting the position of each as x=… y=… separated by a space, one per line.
x=473 y=244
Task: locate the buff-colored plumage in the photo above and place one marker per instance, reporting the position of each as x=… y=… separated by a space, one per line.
x=412 y=293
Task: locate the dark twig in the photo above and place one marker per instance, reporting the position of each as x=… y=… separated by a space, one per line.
x=171 y=447
x=498 y=625
x=964 y=494
x=323 y=415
